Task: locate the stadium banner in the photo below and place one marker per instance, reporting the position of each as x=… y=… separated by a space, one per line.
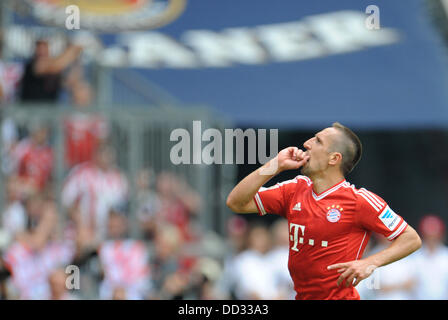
x=299 y=65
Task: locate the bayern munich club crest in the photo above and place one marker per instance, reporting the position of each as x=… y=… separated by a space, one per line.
x=334 y=213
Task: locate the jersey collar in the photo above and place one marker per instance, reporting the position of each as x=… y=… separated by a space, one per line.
x=325 y=193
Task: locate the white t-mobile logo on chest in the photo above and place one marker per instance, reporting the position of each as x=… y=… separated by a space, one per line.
x=294 y=230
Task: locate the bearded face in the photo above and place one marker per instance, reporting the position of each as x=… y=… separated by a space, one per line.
x=317 y=148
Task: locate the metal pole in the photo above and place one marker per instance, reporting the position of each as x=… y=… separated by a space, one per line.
x=59 y=167
x=104 y=91
x=134 y=165
x=6 y=17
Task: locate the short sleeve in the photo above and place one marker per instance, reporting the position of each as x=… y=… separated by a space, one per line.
x=374 y=214
x=276 y=199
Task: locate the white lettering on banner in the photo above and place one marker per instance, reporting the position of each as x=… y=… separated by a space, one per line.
x=312 y=37
x=290 y=41
x=154 y=50
x=333 y=33
x=223 y=49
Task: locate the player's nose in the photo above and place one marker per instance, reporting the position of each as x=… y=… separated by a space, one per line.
x=307 y=144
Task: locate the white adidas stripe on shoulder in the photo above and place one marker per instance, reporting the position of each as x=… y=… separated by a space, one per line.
x=370 y=202
x=348 y=185
x=287 y=182
x=279 y=184
x=308 y=180
x=372 y=196
x=275 y=186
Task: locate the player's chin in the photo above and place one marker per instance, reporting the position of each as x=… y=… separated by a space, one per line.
x=305 y=169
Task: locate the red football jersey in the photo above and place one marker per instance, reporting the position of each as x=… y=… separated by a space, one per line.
x=83 y=133
x=327 y=228
x=34 y=163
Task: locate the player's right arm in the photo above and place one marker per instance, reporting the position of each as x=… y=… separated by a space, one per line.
x=241 y=198
x=55 y=65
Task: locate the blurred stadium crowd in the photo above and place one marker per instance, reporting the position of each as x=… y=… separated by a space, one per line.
x=86 y=224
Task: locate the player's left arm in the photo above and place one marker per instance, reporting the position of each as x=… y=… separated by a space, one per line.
x=405 y=244
x=375 y=215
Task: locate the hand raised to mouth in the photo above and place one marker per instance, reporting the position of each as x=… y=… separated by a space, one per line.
x=292 y=158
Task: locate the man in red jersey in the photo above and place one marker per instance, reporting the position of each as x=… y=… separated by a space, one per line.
x=34 y=159
x=330 y=221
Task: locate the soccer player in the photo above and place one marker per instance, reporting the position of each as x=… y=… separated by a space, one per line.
x=330 y=221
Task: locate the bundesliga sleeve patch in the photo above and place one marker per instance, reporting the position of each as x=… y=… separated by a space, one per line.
x=389 y=218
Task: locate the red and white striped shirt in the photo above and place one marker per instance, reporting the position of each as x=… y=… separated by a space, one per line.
x=31 y=269
x=95 y=191
x=125 y=264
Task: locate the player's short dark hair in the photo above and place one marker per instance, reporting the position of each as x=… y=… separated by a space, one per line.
x=350 y=147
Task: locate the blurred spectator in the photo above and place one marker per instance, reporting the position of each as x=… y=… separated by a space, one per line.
x=202 y=280
x=84 y=131
x=42 y=79
x=10 y=75
x=178 y=203
x=33 y=158
x=119 y=294
x=393 y=281
x=14 y=218
x=5 y=275
x=85 y=253
x=237 y=228
x=278 y=258
x=175 y=286
x=148 y=203
x=58 y=286
x=37 y=251
x=9 y=141
x=124 y=261
x=430 y=263
x=79 y=90
x=93 y=188
x=165 y=263
x=253 y=275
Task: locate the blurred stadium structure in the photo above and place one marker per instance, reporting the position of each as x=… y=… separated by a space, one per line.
x=438 y=10
x=140 y=136
x=140 y=117
x=141 y=114
x=296 y=68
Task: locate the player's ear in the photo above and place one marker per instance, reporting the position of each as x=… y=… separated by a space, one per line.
x=335 y=158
